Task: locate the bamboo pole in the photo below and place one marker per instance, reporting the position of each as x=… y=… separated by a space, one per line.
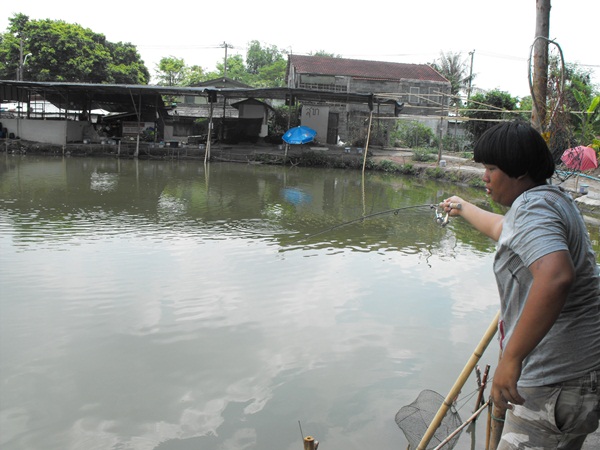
x=460 y=382
x=367 y=144
x=209 y=134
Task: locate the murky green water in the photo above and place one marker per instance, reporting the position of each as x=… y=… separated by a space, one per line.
x=169 y=305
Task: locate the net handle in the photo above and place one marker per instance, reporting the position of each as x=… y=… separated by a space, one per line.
x=460 y=382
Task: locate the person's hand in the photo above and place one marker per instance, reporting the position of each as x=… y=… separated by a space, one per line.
x=452 y=205
x=504 y=386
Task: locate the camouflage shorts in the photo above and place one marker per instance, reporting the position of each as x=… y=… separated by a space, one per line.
x=554 y=417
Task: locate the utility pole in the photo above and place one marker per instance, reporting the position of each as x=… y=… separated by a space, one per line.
x=22 y=61
x=470 y=75
x=226 y=45
x=20 y=66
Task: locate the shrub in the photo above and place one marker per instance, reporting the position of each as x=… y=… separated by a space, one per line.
x=434 y=172
x=423 y=155
x=412 y=134
x=388 y=166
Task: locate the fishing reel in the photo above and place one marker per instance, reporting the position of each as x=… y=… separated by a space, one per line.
x=440 y=218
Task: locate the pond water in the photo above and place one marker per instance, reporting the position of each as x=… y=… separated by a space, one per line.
x=171 y=305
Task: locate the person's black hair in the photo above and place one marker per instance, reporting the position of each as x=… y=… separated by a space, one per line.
x=517 y=149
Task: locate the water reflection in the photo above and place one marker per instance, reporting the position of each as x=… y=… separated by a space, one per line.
x=169 y=305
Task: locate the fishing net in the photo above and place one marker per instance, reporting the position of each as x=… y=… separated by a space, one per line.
x=414 y=419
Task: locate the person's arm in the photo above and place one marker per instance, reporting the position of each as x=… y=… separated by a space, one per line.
x=553 y=275
x=486 y=222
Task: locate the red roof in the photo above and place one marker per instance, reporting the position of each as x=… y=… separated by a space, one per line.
x=357 y=68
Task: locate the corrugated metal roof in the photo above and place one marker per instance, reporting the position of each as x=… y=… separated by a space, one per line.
x=357 y=68
x=122 y=98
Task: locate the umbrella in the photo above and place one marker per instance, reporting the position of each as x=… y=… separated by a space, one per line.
x=299 y=135
x=580 y=158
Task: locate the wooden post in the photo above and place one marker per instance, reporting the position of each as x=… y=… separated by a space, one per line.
x=496 y=427
x=496 y=424
x=309 y=443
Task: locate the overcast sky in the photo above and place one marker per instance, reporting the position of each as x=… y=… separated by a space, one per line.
x=500 y=33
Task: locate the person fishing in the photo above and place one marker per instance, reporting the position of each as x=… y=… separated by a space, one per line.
x=549 y=327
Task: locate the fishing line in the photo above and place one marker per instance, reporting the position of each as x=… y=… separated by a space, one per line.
x=439 y=218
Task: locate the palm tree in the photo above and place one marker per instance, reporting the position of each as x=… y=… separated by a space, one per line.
x=456 y=71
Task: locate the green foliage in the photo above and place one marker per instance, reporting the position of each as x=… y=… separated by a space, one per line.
x=194 y=75
x=423 y=155
x=451 y=143
x=412 y=134
x=434 y=172
x=407 y=169
x=388 y=166
x=126 y=66
x=588 y=117
x=272 y=75
x=67 y=52
x=325 y=54
x=278 y=120
x=452 y=67
x=259 y=57
x=265 y=66
x=171 y=71
x=485 y=110
x=476 y=183
x=236 y=70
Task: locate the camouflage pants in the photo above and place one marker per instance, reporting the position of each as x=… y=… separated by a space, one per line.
x=554 y=417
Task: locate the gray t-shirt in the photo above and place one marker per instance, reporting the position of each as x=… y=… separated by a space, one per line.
x=541 y=221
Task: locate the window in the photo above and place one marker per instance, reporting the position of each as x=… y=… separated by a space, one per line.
x=414 y=97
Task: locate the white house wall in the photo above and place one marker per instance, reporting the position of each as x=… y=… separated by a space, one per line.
x=47 y=131
x=316 y=117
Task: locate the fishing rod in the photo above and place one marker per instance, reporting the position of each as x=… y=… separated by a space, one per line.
x=439 y=217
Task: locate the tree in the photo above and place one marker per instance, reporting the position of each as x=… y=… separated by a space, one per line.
x=170 y=71
x=540 y=65
x=325 y=54
x=485 y=110
x=272 y=75
x=452 y=67
x=258 y=57
x=195 y=75
x=126 y=66
x=66 y=52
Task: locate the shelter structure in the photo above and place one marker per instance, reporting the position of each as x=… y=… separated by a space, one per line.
x=334 y=96
x=144 y=105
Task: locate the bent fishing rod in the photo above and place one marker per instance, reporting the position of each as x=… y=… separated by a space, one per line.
x=439 y=217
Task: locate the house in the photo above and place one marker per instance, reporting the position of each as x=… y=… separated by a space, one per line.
x=415 y=91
